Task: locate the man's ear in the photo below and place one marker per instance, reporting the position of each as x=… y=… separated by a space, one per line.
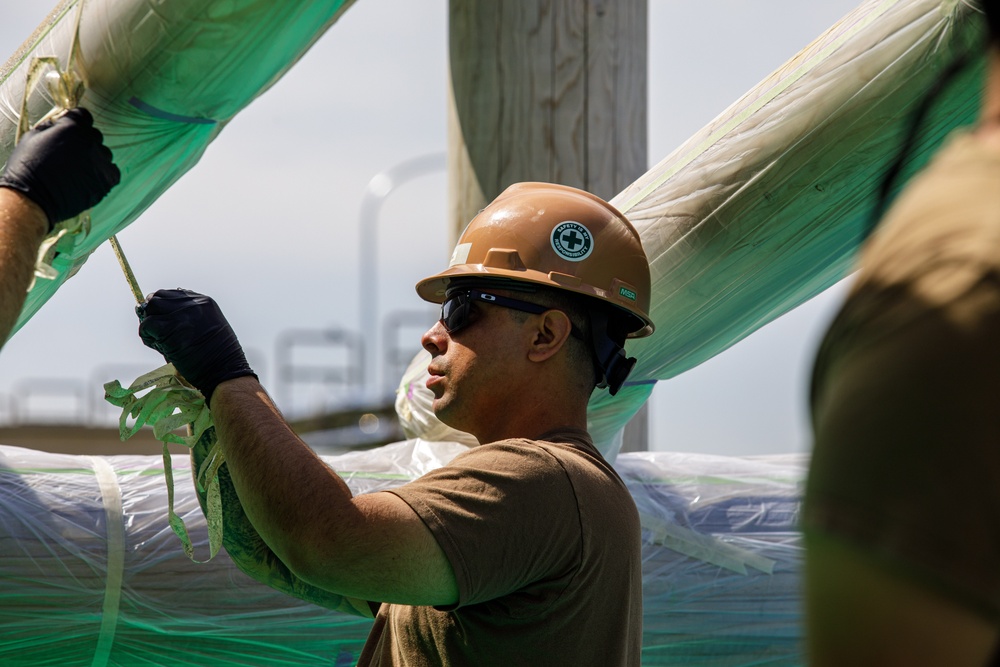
x=549 y=334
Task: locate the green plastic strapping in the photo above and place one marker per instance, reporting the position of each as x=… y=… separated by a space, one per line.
x=163 y=400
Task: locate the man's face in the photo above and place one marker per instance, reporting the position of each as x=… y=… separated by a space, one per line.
x=471 y=370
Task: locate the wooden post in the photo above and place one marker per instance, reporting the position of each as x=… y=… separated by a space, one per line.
x=545 y=90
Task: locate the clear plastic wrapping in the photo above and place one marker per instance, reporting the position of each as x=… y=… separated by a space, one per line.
x=85 y=582
x=64 y=601
x=721 y=557
x=162 y=80
x=765 y=207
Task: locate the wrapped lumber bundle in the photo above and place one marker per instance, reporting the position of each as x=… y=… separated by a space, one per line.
x=92 y=574
x=721 y=557
x=766 y=206
x=162 y=80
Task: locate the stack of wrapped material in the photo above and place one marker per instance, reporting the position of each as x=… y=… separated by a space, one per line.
x=92 y=573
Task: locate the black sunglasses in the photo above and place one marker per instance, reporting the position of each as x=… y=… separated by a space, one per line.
x=457 y=306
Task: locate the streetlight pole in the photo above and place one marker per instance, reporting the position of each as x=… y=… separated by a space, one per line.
x=378 y=190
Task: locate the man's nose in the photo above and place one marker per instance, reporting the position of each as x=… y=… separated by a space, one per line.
x=435 y=339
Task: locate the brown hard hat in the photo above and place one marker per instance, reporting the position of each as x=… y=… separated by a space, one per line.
x=559 y=237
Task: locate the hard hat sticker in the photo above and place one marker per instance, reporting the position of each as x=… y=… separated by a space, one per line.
x=460 y=255
x=572 y=241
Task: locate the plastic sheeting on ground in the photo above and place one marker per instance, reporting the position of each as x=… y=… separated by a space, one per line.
x=93 y=575
x=163 y=79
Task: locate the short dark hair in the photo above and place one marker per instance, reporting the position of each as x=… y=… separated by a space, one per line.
x=577 y=309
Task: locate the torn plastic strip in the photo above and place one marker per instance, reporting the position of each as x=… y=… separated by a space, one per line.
x=167 y=404
x=111 y=497
x=66 y=87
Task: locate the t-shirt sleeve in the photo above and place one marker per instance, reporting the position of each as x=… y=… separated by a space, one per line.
x=505 y=515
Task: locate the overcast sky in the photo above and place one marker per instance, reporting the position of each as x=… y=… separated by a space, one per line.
x=267 y=222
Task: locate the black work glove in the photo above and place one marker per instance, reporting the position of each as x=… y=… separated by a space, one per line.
x=191 y=332
x=62 y=166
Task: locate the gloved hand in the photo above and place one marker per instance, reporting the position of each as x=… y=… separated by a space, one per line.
x=62 y=166
x=191 y=332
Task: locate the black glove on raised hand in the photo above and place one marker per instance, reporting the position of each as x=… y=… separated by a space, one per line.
x=191 y=332
x=62 y=165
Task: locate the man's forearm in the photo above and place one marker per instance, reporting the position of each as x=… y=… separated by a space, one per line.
x=372 y=547
x=22 y=228
x=284 y=488
x=251 y=554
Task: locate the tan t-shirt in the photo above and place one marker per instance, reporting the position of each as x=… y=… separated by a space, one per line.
x=544 y=540
x=906 y=388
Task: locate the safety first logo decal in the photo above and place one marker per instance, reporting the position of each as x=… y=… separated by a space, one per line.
x=572 y=241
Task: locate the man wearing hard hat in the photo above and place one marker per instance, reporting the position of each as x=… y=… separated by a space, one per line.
x=523 y=550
